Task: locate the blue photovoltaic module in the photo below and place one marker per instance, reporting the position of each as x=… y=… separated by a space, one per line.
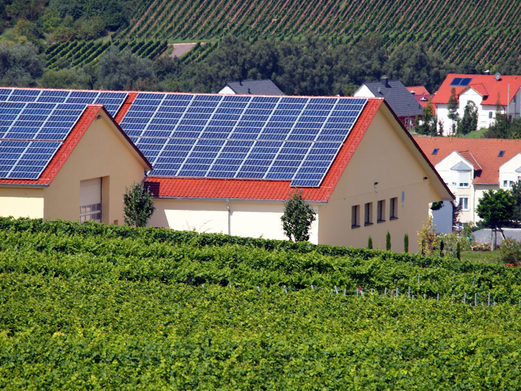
x=241 y=137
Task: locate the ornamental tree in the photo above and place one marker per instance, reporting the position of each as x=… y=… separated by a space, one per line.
x=139 y=205
x=297 y=218
x=496 y=208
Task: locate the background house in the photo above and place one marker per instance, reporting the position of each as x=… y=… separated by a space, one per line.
x=487 y=92
x=251 y=87
x=470 y=167
x=397 y=96
x=421 y=94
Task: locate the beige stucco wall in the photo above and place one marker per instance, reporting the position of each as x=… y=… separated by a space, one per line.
x=21 y=202
x=385 y=165
x=246 y=218
x=101 y=153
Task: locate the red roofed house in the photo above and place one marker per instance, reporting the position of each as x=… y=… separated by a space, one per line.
x=486 y=92
x=379 y=182
x=470 y=167
x=421 y=94
x=84 y=179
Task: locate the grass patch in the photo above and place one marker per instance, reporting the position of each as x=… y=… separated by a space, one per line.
x=490 y=257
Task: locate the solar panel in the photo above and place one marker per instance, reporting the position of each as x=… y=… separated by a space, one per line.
x=461 y=81
x=111 y=100
x=241 y=137
x=22 y=159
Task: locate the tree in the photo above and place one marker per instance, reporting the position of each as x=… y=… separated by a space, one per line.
x=428 y=124
x=516 y=195
x=20 y=65
x=297 y=218
x=139 y=205
x=122 y=70
x=496 y=209
x=453 y=109
x=469 y=122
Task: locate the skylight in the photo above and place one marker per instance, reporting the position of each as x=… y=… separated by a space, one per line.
x=501 y=153
x=435 y=151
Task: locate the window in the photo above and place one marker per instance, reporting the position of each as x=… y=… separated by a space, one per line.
x=368 y=215
x=490 y=115
x=355 y=216
x=90 y=200
x=463 y=203
x=380 y=212
x=393 y=208
x=435 y=151
x=501 y=153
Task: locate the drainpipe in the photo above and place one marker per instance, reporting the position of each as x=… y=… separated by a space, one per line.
x=229 y=216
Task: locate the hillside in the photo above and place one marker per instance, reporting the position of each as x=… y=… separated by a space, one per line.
x=460 y=34
x=94 y=306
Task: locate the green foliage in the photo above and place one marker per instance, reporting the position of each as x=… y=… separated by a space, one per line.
x=429 y=123
x=370 y=243
x=495 y=208
x=122 y=70
x=516 y=196
x=469 y=122
x=405 y=243
x=297 y=218
x=139 y=205
x=66 y=78
x=388 y=241
x=510 y=252
x=89 y=306
x=505 y=127
x=20 y=64
x=428 y=240
x=453 y=109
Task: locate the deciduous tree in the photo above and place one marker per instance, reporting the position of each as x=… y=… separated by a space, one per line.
x=297 y=218
x=139 y=205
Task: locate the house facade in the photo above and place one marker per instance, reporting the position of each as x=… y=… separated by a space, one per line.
x=471 y=167
x=488 y=93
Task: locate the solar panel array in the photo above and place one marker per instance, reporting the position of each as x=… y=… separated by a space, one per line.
x=30 y=135
x=34 y=122
x=241 y=137
x=460 y=81
x=111 y=100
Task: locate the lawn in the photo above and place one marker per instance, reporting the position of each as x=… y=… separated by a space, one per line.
x=492 y=257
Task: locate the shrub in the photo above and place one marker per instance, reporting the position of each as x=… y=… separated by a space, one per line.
x=510 y=251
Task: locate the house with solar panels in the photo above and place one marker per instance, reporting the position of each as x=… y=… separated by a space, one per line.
x=62 y=155
x=472 y=166
x=487 y=93
x=226 y=164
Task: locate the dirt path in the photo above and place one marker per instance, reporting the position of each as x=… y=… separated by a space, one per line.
x=181 y=48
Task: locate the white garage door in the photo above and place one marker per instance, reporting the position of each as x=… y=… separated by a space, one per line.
x=90 y=200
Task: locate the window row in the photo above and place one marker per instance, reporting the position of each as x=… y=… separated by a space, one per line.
x=381 y=212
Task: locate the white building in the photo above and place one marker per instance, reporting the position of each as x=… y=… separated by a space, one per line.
x=487 y=93
x=470 y=167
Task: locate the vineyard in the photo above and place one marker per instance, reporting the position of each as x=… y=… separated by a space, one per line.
x=459 y=33
x=80 y=53
x=94 y=306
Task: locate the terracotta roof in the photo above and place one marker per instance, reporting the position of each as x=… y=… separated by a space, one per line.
x=68 y=145
x=482 y=153
x=266 y=189
x=418 y=90
x=492 y=90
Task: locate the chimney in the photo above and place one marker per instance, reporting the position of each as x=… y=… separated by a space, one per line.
x=385 y=81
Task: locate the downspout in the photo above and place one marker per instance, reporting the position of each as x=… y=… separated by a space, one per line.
x=229 y=216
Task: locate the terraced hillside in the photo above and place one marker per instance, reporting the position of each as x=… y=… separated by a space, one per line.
x=482 y=32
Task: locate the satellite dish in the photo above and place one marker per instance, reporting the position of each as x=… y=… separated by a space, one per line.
x=498 y=76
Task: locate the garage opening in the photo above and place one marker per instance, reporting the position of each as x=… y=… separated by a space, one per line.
x=90 y=200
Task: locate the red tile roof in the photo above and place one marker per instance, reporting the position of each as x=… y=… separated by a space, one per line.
x=482 y=153
x=68 y=145
x=493 y=91
x=418 y=90
x=268 y=189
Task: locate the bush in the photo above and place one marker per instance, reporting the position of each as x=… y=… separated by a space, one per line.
x=510 y=252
